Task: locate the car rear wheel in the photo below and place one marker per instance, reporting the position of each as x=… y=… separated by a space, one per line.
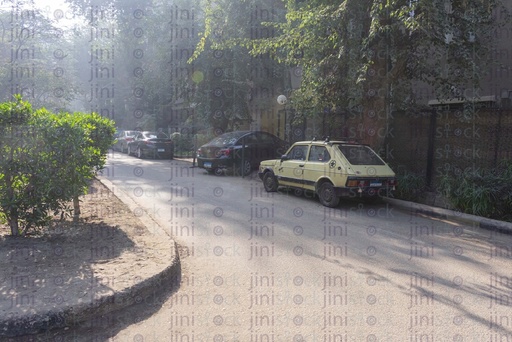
x=270 y=182
x=327 y=195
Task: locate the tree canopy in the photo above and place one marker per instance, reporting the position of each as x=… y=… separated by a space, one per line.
x=367 y=55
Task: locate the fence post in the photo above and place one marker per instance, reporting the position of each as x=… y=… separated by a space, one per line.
x=431 y=144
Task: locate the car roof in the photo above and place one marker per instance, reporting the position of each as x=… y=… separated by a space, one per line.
x=323 y=142
x=241 y=133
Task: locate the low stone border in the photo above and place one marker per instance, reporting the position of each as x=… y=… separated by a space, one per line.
x=476 y=221
x=36 y=323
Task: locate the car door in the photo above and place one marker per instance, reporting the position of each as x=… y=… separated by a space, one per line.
x=316 y=166
x=290 y=171
x=245 y=148
x=133 y=144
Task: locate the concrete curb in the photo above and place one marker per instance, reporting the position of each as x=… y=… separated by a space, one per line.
x=454 y=215
x=36 y=323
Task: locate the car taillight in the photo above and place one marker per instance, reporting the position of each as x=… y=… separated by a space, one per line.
x=352 y=182
x=226 y=152
x=358 y=182
x=129 y=139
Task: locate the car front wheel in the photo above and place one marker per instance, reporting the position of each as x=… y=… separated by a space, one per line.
x=139 y=153
x=270 y=182
x=327 y=195
x=245 y=168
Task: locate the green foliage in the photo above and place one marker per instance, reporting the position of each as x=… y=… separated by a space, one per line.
x=365 y=55
x=238 y=82
x=183 y=144
x=46 y=161
x=24 y=190
x=30 y=63
x=487 y=193
x=410 y=186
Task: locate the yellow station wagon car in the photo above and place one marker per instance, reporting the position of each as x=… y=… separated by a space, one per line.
x=332 y=169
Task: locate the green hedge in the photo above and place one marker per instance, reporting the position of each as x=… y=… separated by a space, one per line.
x=46 y=160
x=486 y=193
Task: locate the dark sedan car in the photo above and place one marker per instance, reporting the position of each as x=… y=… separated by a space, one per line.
x=151 y=144
x=239 y=151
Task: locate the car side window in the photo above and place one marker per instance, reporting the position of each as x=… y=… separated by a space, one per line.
x=298 y=152
x=319 y=154
x=265 y=138
x=247 y=140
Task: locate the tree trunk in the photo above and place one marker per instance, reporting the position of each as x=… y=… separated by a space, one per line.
x=12 y=212
x=76 y=209
x=375 y=104
x=13 y=222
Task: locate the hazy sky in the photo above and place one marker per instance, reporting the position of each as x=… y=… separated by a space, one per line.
x=57 y=10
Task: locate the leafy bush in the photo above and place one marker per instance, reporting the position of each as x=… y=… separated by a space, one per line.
x=18 y=168
x=487 y=193
x=410 y=186
x=46 y=160
x=183 y=144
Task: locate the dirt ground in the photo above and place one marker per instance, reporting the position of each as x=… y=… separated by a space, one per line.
x=72 y=264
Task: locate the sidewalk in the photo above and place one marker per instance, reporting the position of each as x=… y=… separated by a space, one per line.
x=454 y=215
x=46 y=287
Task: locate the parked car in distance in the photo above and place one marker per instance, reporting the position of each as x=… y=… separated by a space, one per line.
x=151 y=144
x=122 y=140
x=331 y=169
x=239 y=152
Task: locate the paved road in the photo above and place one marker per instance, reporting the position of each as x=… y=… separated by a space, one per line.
x=281 y=267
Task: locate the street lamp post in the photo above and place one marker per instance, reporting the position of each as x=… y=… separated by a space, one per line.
x=282 y=100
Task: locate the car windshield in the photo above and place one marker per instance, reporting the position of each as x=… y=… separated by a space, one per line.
x=226 y=139
x=155 y=135
x=360 y=155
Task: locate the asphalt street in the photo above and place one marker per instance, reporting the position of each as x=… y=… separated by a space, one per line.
x=281 y=267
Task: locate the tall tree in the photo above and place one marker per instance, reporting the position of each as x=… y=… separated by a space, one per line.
x=240 y=86
x=35 y=55
x=362 y=56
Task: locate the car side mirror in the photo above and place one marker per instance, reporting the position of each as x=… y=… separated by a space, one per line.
x=284 y=157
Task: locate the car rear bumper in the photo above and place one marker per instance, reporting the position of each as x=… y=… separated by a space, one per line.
x=157 y=152
x=364 y=191
x=212 y=164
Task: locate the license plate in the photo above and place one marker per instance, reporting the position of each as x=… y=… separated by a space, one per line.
x=207 y=165
x=161 y=150
x=376 y=184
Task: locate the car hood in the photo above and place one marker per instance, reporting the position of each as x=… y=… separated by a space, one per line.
x=269 y=162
